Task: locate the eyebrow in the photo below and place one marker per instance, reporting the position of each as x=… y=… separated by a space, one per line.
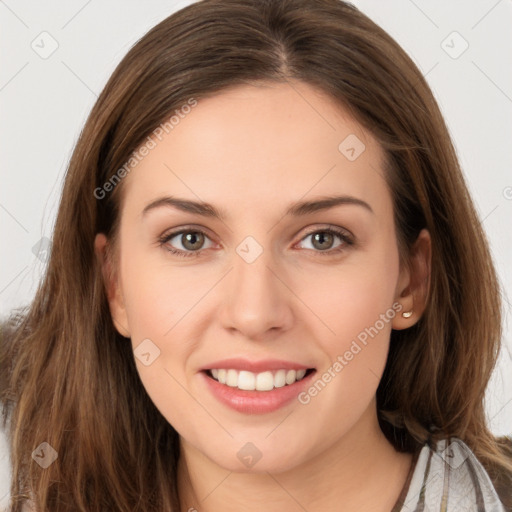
x=296 y=209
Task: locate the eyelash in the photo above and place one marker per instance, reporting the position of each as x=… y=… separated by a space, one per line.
x=345 y=238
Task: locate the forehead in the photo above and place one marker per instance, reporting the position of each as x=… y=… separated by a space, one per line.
x=268 y=144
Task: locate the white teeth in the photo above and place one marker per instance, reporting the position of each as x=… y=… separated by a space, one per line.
x=291 y=376
x=232 y=378
x=264 y=381
x=280 y=378
x=245 y=380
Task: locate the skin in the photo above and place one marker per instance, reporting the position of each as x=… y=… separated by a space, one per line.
x=252 y=151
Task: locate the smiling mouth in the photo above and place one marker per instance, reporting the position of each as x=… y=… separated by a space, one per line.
x=263 y=381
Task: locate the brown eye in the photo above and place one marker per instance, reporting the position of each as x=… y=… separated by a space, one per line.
x=189 y=242
x=192 y=240
x=322 y=240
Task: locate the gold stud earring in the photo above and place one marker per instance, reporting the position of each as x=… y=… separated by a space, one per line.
x=407 y=314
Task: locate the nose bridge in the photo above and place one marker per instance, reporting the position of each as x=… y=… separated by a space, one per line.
x=252 y=264
x=256 y=300
x=253 y=280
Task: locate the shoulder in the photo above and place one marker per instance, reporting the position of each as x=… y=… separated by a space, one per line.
x=448 y=476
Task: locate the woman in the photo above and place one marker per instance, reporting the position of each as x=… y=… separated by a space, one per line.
x=195 y=345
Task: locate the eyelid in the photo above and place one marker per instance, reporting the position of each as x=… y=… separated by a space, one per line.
x=328 y=227
x=171 y=232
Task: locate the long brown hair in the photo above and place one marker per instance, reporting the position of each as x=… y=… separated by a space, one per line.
x=69 y=379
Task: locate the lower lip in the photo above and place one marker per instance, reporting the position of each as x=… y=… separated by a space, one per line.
x=256 y=402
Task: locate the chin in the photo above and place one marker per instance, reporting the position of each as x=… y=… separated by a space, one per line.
x=248 y=459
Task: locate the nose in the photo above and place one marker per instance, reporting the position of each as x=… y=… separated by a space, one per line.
x=257 y=303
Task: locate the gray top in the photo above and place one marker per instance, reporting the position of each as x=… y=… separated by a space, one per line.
x=448 y=478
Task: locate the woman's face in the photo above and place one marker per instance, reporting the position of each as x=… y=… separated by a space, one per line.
x=262 y=284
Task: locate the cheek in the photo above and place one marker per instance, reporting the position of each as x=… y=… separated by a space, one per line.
x=156 y=294
x=359 y=314
x=355 y=306
x=350 y=297
x=157 y=299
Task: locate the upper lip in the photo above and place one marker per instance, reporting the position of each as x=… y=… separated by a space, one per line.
x=237 y=363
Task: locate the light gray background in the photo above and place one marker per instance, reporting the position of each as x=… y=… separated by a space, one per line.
x=44 y=103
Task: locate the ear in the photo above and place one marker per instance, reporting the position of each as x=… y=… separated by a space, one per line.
x=414 y=283
x=112 y=285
